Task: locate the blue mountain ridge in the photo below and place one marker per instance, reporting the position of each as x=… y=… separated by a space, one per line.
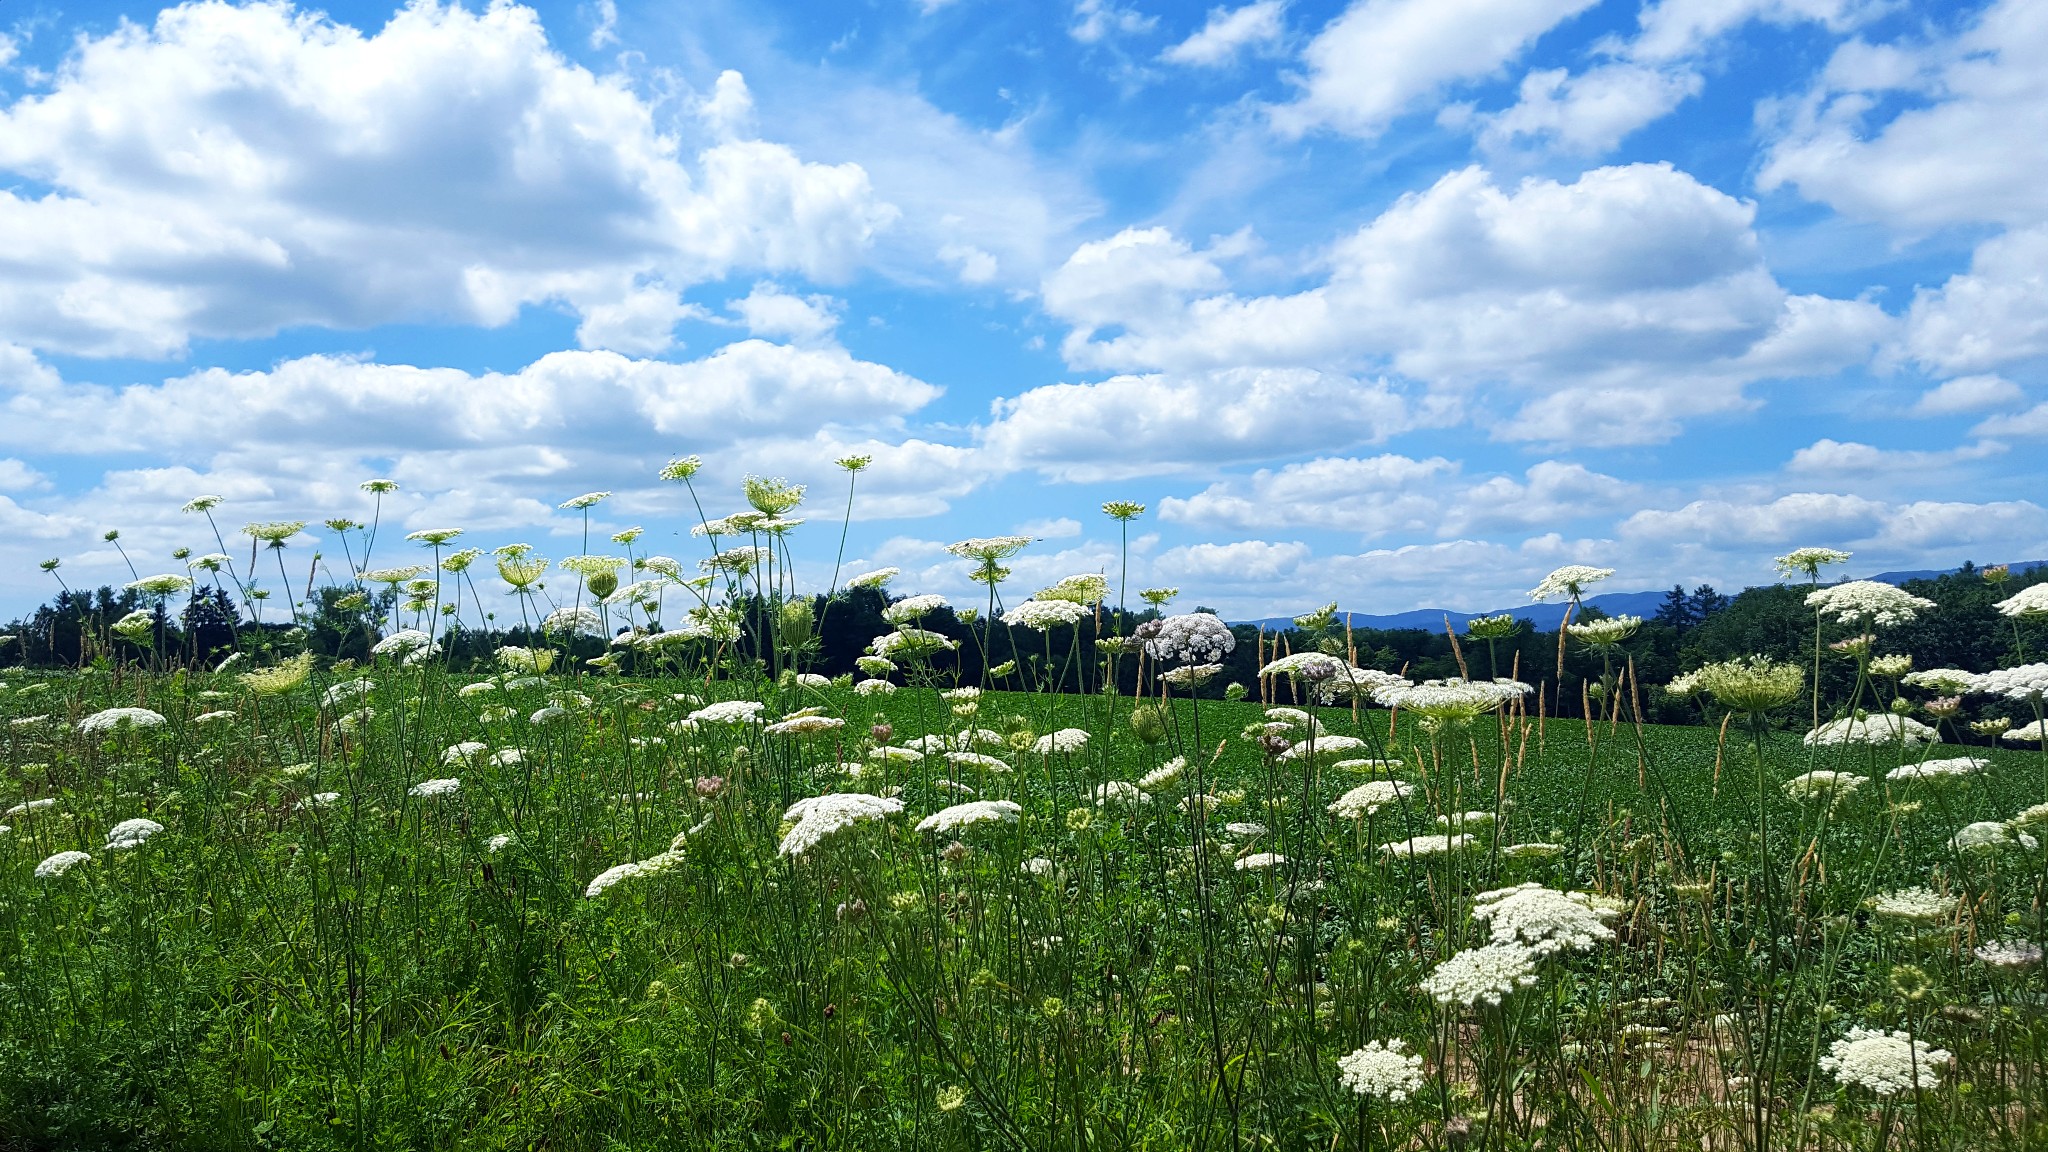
x=1546 y=617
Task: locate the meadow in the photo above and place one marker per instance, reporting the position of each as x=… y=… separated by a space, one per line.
x=686 y=894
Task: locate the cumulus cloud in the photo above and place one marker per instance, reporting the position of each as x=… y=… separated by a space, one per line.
x=1228 y=32
x=228 y=171
x=1607 y=310
x=1968 y=394
x=1382 y=58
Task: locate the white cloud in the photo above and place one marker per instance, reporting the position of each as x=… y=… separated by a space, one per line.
x=1961 y=145
x=2031 y=423
x=1839 y=459
x=976 y=266
x=1228 y=32
x=771 y=312
x=604 y=30
x=1592 y=112
x=1056 y=528
x=1994 y=315
x=1097 y=20
x=229 y=171
x=1382 y=58
x=1968 y=394
x=1608 y=310
x=20 y=476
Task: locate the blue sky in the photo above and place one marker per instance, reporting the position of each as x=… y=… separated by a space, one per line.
x=1395 y=302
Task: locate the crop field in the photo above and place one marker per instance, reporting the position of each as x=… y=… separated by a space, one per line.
x=386 y=905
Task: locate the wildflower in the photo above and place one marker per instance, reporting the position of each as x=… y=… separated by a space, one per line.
x=819 y=817
x=586 y=500
x=573 y=621
x=1948 y=681
x=729 y=712
x=1044 y=615
x=1192 y=638
x=131 y=834
x=464 y=752
x=911 y=644
x=1086 y=588
x=203 y=503
x=57 y=865
x=652 y=866
x=1481 y=975
x=168 y=584
x=29 y=806
x=2029 y=601
x=409 y=645
x=1493 y=627
x=771 y=496
x=212 y=717
x=1382 y=1069
x=1258 y=862
x=977 y=760
x=1064 y=740
x=2026 y=733
x=276 y=532
x=951 y=1098
x=947 y=820
x=1605 y=633
x=1822 y=784
x=681 y=469
x=910 y=609
x=2027 y=683
x=1533 y=850
x=111 y=720
x=1317 y=748
x=318 y=800
x=1118 y=792
x=1368 y=798
x=499 y=843
x=393 y=576
x=2011 y=954
x=1890 y=667
x=1570 y=580
x=1808 y=562
x=1877 y=728
x=804 y=725
x=1753 y=685
x=1867 y=603
x=1544 y=920
x=1036 y=866
x=435 y=789
x=1427 y=845
x=1990 y=834
x=1460 y=820
x=874 y=579
x=1451 y=701
x=1938 y=769
x=2036 y=815
x=1165 y=776
x=874 y=688
x=1376 y=767
x=1884 y=1062
x=279 y=678
x=989 y=549
x=1917 y=904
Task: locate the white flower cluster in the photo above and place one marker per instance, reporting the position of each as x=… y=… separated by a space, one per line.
x=818 y=817
x=1867 y=602
x=1045 y=615
x=60 y=863
x=1090 y=588
x=875 y=579
x=1192 y=638
x=408 y=646
x=1877 y=728
x=873 y=688
x=1951 y=681
x=1427 y=845
x=2028 y=682
x=911 y=642
x=1258 y=862
x=573 y=621
x=1949 y=769
x=1917 y=905
x=652 y=866
x=464 y=752
x=115 y=719
x=1064 y=740
x=1322 y=748
x=1119 y=794
x=804 y=725
x=1367 y=799
x=1165 y=776
x=1481 y=975
x=131 y=834
x=2009 y=954
x=728 y=712
x=1382 y=1069
x=1544 y=920
x=1605 y=633
x=2029 y=601
x=1884 y=1062
x=1452 y=699
x=435 y=789
x=2028 y=733
x=973 y=812
x=911 y=609
x=1822 y=784
x=1989 y=834
x=1569 y=580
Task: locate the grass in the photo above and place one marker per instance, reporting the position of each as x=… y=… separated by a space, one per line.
x=274 y=971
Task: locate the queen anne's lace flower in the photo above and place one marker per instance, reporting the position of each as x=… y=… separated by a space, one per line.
x=1258 y=862
x=464 y=752
x=1451 y=700
x=947 y=820
x=874 y=688
x=2028 y=682
x=1481 y=975
x=1823 y=784
x=1884 y=1062
x=652 y=866
x=977 y=760
x=1570 y=580
x=1119 y=793
x=910 y=643
x=59 y=864
x=1867 y=603
x=1605 y=633
x=1544 y=920
x=729 y=712
x=1368 y=798
x=1064 y=740
x=1948 y=681
x=1809 y=561
x=573 y=621
x=1322 y=748
x=115 y=719
x=913 y=608
x=1165 y=776
x=1950 y=768
x=1192 y=638
x=2010 y=954
x=434 y=789
x=2029 y=601
x=131 y=833
x=1917 y=905
x=1427 y=845
x=805 y=726
x=1990 y=834
x=819 y=817
x=1877 y=728
x=1044 y=615
x=875 y=579
x=1381 y=1069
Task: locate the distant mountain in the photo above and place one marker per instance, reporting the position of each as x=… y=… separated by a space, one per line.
x=1546 y=617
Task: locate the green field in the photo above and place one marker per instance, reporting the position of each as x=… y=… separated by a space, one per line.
x=308 y=956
